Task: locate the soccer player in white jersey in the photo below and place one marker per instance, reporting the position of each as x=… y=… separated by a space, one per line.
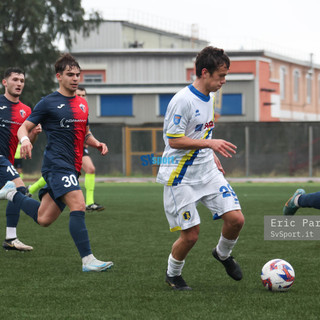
x=192 y=173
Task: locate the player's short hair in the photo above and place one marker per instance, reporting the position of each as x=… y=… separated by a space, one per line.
x=65 y=60
x=82 y=89
x=212 y=59
x=11 y=70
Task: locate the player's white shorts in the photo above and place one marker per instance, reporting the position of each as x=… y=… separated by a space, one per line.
x=180 y=202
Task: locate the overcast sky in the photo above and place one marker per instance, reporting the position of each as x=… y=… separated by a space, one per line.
x=287 y=27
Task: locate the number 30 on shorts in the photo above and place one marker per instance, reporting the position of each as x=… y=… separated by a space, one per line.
x=70 y=180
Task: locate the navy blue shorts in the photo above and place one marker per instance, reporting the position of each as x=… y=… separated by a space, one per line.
x=7 y=171
x=58 y=184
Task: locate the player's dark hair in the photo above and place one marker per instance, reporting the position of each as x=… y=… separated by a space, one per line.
x=82 y=89
x=10 y=70
x=212 y=59
x=65 y=60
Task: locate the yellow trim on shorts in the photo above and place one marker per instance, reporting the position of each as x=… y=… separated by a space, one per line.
x=175 y=229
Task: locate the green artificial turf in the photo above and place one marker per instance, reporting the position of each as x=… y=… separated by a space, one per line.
x=133 y=232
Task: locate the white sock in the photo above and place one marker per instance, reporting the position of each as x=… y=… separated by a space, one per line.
x=295 y=200
x=11 y=194
x=174 y=266
x=88 y=258
x=11 y=233
x=225 y=246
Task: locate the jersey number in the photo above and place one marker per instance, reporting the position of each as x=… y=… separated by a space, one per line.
x=12 y=170
x=227 y=191
x=71 y=180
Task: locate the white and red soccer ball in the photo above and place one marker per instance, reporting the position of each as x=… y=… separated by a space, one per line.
x=277 y=275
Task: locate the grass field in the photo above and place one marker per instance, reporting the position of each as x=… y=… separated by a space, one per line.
x=133 y=232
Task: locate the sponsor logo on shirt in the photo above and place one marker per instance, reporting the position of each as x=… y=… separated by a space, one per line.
x=61 y=106
x=176 y=119
x=3 y=107
x=197 y=113
x=209 y=125
x=65 y=123
x=198 y=127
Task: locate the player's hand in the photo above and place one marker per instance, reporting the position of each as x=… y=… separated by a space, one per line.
x=25 y=150
x=36 y=130
x=224 y=147
x=218 y=163
x=102 y=147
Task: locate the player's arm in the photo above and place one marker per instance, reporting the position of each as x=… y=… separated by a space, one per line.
x=224 y=147
x=91 y=141
x=23 y=136
x=33 y=134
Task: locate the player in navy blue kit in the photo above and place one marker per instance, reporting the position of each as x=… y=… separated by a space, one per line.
x=64 y=118
x=12 y=114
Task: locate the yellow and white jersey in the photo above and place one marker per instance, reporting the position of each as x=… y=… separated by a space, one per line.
x=190 y=113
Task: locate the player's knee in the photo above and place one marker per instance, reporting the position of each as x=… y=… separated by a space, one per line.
x=191 y=238
x=237 y=222
x=43 y=222
x=91 y=170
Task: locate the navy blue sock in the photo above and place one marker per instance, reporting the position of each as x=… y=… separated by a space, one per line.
x=28 y=205
x=13 y=210
x=310 y=200
x=79 y=232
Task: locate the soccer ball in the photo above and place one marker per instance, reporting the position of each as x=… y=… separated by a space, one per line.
x=277 y=275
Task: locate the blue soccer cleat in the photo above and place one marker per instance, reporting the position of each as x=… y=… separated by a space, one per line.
x=290 y=208
x=9 y=186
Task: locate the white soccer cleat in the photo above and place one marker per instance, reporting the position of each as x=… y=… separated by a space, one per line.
x=96 y=265
x=15 y=244
x=9 y=186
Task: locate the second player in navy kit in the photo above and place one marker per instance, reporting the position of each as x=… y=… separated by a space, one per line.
x=64 y=118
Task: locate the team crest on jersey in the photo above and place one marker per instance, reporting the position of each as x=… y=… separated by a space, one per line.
x=22 y=113
x=82 y=107
x=176 y=118
x=186 y=215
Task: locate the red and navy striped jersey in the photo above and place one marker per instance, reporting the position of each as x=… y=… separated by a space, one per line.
x=64 y=120
x=12 y=115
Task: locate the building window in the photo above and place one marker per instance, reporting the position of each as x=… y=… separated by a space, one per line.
x=296 y=79
x=93 y=76
x=164 y=100
x=116 y=105
x=191 y=74
x=309 y=87
x=231 y=104
x=282 y=83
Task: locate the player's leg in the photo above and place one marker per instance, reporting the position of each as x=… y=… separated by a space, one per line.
x=89 y=183
x=176 y=260
x=187 y=220
x=11 y=241
x=233 y=222
x=78 y=230
x=33 y=188
x=223 y=203
x=301 y=200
